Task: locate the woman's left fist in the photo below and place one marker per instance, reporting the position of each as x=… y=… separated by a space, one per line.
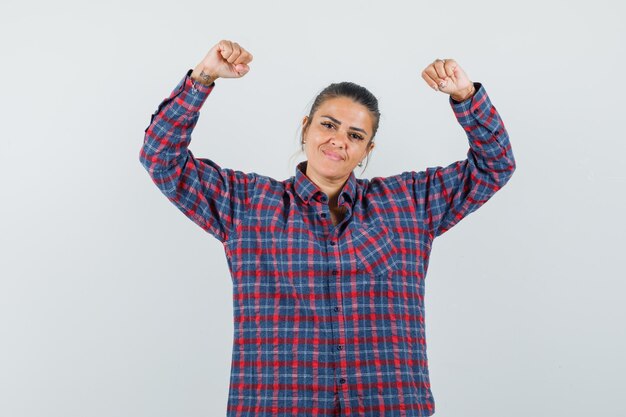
x=448 y=77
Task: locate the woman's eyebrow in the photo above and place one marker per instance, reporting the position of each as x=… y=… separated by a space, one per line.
x=338 y=122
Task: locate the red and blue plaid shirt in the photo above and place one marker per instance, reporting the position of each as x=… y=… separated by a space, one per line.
x=328 y=320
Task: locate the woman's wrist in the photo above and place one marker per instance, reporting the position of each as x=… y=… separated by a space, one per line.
x=468 y=93
x=202 y=76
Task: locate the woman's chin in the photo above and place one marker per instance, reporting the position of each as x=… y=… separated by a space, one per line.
x=331 y=168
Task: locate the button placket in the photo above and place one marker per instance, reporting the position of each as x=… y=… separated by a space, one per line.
x=337 y=300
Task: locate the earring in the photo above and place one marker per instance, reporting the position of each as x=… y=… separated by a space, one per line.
x=361 y=163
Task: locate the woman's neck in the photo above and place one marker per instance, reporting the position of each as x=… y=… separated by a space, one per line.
x=329 y=187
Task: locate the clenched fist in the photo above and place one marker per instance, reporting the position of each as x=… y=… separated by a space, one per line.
x=448 y=77
x=226 y=60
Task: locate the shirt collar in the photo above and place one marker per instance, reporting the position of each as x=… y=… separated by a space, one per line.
x=307 y=190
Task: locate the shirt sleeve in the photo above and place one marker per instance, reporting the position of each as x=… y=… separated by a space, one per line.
x=213 y=197
x=445 y=195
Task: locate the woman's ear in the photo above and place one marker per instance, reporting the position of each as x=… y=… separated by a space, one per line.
x=304 y=121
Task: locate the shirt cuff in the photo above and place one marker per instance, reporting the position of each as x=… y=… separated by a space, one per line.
x=474 y=108
x=191 y=94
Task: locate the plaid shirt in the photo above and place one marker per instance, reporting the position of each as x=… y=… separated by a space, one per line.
x=328 y=320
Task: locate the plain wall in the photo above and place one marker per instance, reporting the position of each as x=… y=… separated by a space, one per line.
x=112 y=303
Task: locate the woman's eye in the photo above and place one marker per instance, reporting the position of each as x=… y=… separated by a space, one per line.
x=330 y=125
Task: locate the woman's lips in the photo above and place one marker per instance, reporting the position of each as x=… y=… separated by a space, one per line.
x=333 y=156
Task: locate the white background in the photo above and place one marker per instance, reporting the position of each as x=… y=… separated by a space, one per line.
x=112 y=303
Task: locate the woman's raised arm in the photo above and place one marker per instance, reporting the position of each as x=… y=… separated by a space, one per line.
x=445 y=195
x=215 y=198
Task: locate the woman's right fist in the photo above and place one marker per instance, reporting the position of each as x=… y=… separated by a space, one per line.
x=225 y=60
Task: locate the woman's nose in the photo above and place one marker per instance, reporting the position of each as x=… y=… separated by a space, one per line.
x=338 y=139
x=337 y=143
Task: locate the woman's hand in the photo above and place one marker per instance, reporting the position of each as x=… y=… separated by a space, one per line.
x=225 y=60
x=448 y=77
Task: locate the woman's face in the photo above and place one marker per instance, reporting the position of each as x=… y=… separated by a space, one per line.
x=336 y=140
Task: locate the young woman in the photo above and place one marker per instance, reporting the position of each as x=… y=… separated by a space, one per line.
x=328 y=269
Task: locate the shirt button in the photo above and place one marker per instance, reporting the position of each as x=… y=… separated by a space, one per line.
x=339 y=347
x=323 y=215
x=332 y=243
x=324 y=198
x=342 y=380
x=336 y=308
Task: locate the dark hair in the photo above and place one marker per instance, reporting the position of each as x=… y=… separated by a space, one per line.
x=358 y=94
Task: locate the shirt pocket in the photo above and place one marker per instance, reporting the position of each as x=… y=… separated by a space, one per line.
x=375 y=250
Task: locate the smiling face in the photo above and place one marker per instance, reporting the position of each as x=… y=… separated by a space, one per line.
x=337 y=138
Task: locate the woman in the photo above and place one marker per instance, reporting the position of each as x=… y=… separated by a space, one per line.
x=328 y=270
